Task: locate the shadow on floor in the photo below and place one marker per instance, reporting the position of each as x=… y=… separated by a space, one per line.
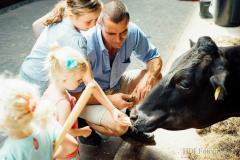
x=106 y=151
x=139 y=152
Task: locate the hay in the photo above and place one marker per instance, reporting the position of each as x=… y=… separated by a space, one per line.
x=227 y=41
x=218 y=147
x=221 y=141
x=229 y=126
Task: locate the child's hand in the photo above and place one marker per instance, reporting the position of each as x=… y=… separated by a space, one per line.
x=86 y=131
x=121 y=117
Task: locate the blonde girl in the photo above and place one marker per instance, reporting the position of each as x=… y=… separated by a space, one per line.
x=63 y=25
x=30 y=131
x=68 y=68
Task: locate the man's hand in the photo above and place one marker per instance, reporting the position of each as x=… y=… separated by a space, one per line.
x=121 y=100
x=144 y=87
x=150 y=78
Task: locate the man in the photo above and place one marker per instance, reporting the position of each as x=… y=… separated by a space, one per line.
x=110 y=45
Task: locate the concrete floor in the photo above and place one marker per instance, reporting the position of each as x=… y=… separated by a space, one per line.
x=162 y=21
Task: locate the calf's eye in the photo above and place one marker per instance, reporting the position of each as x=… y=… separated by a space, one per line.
x=183 y=85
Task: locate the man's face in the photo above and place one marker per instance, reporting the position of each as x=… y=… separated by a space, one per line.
x=114 y=34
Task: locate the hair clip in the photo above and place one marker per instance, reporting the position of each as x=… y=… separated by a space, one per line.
x=71 y=63
x=32 y=105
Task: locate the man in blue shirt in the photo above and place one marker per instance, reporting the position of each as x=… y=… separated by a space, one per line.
x=110 y=45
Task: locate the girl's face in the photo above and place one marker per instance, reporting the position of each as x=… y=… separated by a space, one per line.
x=73 y=79
x=86 y=21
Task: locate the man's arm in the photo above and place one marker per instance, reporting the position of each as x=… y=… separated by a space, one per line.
x=148 y=53
x=148 y=81
x=154 y=67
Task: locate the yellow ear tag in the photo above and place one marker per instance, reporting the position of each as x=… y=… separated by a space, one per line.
x=217 y=93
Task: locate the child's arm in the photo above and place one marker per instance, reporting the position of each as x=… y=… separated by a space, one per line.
x=38 y=25
x=85 y=132
x=98 y=92
x=63 y=111
x=68 y=147
x=103 y=99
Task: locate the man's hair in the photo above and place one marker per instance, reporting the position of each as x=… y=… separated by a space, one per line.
x=116 y=10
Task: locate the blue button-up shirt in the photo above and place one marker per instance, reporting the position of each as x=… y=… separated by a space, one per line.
x=135 y=43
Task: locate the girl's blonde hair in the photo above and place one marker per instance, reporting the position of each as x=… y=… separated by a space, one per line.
x=76 y=7
x=19 y=108
x=65 y=60
x=17 y=105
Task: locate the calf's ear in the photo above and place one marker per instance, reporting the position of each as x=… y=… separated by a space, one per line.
x=217 y=82
x=192 y=43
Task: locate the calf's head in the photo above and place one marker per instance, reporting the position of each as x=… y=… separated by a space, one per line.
x=190 y=95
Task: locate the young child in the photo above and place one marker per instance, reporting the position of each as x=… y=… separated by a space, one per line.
x=68 y=68
x=64 y=25
x=31 y=133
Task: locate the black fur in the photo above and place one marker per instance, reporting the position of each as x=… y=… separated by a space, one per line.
x=184 y=98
